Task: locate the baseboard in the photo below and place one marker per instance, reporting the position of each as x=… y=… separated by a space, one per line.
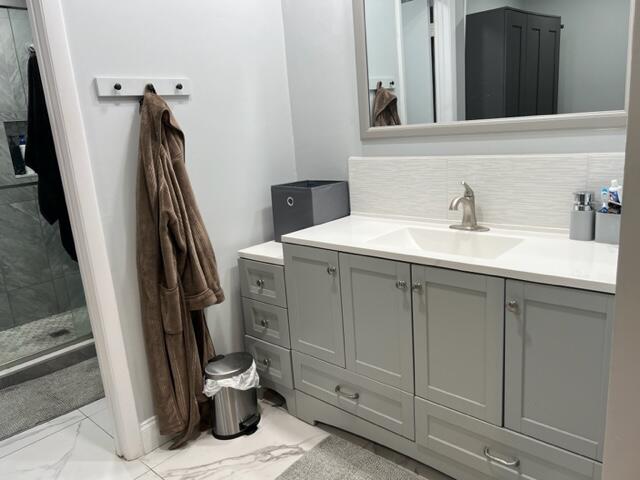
x=151 y=436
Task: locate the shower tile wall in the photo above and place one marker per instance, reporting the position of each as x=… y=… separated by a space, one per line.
x=37 y=277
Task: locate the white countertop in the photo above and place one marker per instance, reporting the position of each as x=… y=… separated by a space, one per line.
x=269 y=252
x=549 y=258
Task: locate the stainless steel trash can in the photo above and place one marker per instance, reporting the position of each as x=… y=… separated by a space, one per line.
x=235 y=412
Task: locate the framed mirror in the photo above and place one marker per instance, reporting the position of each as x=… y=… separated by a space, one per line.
x=434 y=67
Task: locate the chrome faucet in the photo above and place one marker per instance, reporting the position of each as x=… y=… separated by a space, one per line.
x=468 y=201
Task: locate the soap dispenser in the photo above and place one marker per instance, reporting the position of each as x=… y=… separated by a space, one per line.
x=582 y=222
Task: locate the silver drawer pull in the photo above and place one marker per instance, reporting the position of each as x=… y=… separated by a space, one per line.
x=416 y=287
x=266 y=362
x=513 y=306
x=264 y=322
x=507 y=463
x=350 y=396
x=260 y=283
x=331 y=270
x=401 y=285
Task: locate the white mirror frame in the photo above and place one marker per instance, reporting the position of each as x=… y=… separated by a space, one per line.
x=587 y=120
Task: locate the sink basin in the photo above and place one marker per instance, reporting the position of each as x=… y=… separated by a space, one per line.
x=468 y=244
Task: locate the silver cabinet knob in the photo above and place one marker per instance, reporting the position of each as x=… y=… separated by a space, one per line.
x=501 y=461
x=350 y=396
x=401 y=285
x=331 y=270
x=416 y=287
x=264 y=322
x=260 y=283
x=513 y=306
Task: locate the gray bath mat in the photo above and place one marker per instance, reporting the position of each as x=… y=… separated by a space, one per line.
x=335 y=458
x=37 y=401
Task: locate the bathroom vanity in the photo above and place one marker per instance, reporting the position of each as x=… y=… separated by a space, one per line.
x=484 y=355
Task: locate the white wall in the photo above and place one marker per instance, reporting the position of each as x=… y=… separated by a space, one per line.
x=320 y=45
x=623 y=421
x=417 y=61
x=237 y=124
x=593 y=52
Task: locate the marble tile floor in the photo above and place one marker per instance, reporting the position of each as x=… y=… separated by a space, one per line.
x=35 y=337
x=79 y=446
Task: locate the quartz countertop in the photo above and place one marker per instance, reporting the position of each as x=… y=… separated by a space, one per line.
x=268 y=252
x=549 y=258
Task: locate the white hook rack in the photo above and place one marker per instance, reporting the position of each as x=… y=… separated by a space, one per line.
x=113 y=87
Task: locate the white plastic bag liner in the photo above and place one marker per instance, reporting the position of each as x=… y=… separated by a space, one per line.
x=245 y=381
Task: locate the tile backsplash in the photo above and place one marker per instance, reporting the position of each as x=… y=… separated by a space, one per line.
x=522 y=190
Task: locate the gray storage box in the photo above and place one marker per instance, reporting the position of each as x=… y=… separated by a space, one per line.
x=307 y=203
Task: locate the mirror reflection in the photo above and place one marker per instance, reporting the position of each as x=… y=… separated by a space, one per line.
x=451 y=60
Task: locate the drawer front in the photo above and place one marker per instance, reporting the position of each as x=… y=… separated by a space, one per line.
x=487 y=448
x=273 y=362
x=263 y=282
x=377 y=403
x=266 y=322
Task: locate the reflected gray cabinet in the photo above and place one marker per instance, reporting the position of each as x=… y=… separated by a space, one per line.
x=376 y=300
x=458 y=324
x=557 y=364
x=315 y=305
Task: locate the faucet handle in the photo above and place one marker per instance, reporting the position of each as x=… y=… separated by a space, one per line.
x=468 y=192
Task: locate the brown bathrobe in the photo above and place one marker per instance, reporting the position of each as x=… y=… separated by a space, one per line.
x=385 y=108
x=177 y=274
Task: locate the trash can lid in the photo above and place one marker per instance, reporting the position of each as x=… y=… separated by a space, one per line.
x=227 y=366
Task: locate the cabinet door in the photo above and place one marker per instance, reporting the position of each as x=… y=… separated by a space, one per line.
x=557 y=365
x=458 y=324
x=540 y=92
x=515 y=60
x=315 y=308
x=376 y=301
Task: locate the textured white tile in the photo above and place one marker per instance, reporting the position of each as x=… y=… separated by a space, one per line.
x=94 y=407
x=527 y=190
x=604 y=167
x=78 y=452
x=21 y=440
x=523 y=190
x=281 y=439
x=409 y=186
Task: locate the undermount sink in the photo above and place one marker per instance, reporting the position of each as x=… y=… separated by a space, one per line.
x=468 y=244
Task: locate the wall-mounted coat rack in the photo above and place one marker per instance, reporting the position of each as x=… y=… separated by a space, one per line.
x=112 y=87
x=387 y=82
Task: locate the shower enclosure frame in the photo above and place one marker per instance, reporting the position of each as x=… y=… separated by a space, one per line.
x=133 y=437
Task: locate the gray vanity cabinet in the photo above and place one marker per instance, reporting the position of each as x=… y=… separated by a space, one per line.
x=458 y=325
x=376 y=302
x=557 y=364
x=315 y=305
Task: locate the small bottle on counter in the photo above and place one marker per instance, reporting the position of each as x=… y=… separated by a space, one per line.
x=582 y=222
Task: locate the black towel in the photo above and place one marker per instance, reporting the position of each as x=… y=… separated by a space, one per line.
x=41 y=156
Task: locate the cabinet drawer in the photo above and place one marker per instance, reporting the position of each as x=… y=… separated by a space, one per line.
x=266 y=322
x=380 y=404
x=263 y=282
x=273 y=363
x=470 y=442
